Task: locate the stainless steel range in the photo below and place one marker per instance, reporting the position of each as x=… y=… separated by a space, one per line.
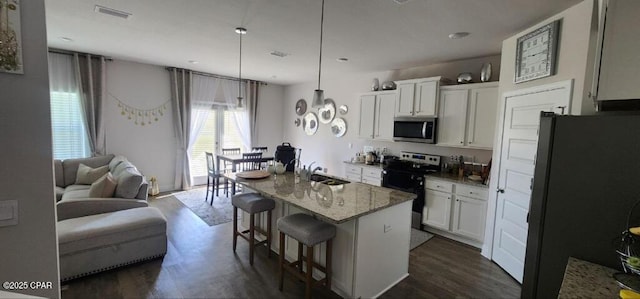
x=407 y=174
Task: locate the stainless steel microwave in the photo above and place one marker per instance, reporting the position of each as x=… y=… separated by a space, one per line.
x=414 y=129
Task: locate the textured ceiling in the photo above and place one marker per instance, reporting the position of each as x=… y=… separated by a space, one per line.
x=375 y=35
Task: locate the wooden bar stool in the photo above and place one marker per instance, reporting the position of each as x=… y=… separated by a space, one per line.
x=253 y=204
x=308 y=231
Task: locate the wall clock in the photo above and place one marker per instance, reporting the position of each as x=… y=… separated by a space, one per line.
x=536 y=53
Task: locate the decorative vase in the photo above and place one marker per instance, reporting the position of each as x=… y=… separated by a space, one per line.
x=375 y=85
x=485 y=72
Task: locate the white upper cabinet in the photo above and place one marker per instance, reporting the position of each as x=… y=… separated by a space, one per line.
x=417 y=97
x=452 y=117
x=467 y=115
x=619 y=62
x=367 y=113
x=483 y=105
x=376 y=116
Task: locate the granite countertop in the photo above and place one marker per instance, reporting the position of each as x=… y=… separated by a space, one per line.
x=376 y=165
x=335 y=204
x=455 y=179
x=583 y=279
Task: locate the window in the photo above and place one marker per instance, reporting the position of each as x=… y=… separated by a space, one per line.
x=70 y=139
x=68 y=131
x=218 y=129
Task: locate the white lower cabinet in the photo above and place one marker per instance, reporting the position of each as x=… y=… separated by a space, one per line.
x=437 y=209
x=455 y=210
x=371 y=175
x=469 y=217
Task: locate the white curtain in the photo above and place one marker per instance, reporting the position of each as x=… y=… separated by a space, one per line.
x=241 y=115
x=203 y=90
x=62 y=74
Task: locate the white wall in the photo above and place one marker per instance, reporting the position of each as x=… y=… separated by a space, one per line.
x=29 y=250
x=270 y=115
x=152 y=148
x=330 y=151
x=576 y=51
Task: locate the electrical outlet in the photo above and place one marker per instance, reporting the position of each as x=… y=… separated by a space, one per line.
x=350 y=145
x=325 y=170
x=387 y=228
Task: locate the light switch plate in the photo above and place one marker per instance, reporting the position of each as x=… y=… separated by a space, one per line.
x=8 y=212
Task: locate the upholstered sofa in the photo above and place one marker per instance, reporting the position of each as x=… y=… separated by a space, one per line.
x=116 y=228
x=74 y=199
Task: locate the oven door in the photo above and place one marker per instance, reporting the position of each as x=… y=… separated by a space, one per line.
x=407 y=182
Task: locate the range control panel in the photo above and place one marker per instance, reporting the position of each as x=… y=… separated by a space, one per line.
x=420 y=158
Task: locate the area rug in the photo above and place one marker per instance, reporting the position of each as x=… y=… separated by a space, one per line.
x=221 y=211
x=418 y=237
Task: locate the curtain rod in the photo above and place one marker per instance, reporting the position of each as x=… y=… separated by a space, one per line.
x=169 y=68
x=67 y=52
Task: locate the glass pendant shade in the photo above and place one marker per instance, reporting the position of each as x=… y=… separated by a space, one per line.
x=318 y=98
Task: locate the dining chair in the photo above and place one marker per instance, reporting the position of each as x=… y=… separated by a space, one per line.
x=245 y=166
x=262 y=149
x=227 y=166
x=213 y=176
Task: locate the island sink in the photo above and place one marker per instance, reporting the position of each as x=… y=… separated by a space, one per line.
x=327 y=180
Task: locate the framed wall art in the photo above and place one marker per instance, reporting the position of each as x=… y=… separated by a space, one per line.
x=10 y=38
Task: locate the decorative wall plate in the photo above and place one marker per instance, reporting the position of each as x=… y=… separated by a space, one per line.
x=343 y=109
x=310 y=123
x=301 y=107
x=328 y=112
x=338 y=127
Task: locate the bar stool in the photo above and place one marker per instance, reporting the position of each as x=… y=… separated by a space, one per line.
x=308 y=231
x=253 y=204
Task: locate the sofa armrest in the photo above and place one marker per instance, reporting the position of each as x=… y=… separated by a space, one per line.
x=79 y=207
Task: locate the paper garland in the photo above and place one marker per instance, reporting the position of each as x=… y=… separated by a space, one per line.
x=141 y=116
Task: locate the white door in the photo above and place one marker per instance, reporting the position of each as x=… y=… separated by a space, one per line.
x=483 y=107
x=367 y=111
x=469 y=217
x=426 y=98
x=452 y=117
x=384 y=118
x=437 y=209
x=404 y=106
x=517 y=162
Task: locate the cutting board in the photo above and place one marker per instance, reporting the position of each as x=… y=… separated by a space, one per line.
x=254 y=174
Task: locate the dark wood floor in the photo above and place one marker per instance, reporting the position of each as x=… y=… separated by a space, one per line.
x=200 y=264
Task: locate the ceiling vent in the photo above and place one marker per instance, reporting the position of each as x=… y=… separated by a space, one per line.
x=401 y=1
x=112 y=12
x=279 y=54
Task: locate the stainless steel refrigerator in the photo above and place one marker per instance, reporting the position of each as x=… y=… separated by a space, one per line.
x=587 y=177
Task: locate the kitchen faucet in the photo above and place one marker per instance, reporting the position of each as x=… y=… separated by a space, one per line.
x=306 y=174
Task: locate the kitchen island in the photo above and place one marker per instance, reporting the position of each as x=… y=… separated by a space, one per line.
x=373 y=228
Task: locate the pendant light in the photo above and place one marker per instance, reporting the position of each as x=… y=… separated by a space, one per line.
x=318 y=94
x=240 y=31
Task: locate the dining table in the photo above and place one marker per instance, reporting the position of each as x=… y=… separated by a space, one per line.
x=235 y=160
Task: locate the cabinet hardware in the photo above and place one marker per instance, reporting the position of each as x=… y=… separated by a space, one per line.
x=461 y=142
x=500 y=190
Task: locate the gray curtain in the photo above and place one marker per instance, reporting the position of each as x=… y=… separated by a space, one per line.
x=252 y=107
x=181 y=107
x=91 y=74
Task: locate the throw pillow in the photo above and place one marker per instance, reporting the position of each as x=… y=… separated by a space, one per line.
x=103 y=187
x=129 y=182
x=87 y=175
